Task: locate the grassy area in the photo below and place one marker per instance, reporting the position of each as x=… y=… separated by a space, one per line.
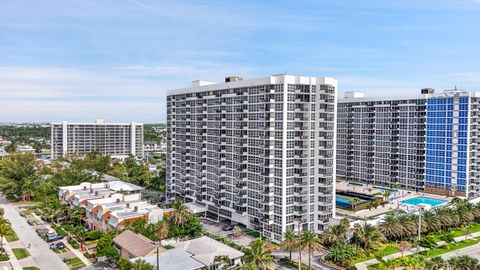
x=31 y=268
x=458 y=232
x=12 y=237
x=75 y=263
x=385 y=251
x=450 y=247
x=20 y=253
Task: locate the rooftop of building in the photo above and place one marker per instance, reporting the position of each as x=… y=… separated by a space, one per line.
x=97 y=122
x=173 y=259
x=237 y=82
x=204 y=249
x=358 y=96
x=136 y=244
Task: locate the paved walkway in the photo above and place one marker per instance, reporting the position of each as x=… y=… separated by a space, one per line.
x=39 y=249
x=13 y=260
x=75 y=251
x=363 y=265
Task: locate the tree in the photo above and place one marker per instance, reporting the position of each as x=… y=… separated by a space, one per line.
x=463 y=263
x=386 y=194
x=367 y=236
x=447 y=238
x=354 y=202
x=404 y=246
x=311 y=242
x=341 y=254
x=161 y=230
x=436 y=263
x=223 y=262
x=258 y=256
x=5 y=230
x=180 y=213
x=290 y=242
x=11 y=148
x=140 y=264
x=427 y=242
x=105 y=247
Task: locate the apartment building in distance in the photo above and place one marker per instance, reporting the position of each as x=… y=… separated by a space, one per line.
x=427 y=142
x=257 y=152
x=118 y=140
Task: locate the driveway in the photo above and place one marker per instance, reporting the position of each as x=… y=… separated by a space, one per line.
x=39 y=249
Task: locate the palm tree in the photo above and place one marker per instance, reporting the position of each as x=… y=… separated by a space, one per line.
x=223 y=262
x=258 y=256
x=367 y=236
x=290 y=242
x=180 y=213
x=430 y=222
x=354 y=202
x=161 y=230
x=5 y=230
x=310 y=240
x=387 y=194
x=391 y=228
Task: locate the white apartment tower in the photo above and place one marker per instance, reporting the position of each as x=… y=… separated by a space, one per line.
x=118 y=140
x=258 y=152
x=428 y=142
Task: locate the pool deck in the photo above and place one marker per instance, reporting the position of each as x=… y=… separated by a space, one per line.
x=394 y=200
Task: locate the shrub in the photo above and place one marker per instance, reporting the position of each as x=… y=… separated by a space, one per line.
x=74 y=244
x=94 y=235
x=4 y=257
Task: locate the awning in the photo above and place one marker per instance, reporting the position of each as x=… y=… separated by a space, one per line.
x=196 y=208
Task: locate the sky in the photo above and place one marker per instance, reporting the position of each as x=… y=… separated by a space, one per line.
x=64 y=60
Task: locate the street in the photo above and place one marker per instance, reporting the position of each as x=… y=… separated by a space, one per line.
x=39 y=249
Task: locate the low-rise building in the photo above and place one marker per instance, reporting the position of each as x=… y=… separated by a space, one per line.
x=110 y=205
x=132 y=245
x=195 y=254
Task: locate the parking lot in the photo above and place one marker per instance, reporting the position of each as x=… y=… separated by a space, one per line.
x=215 y=227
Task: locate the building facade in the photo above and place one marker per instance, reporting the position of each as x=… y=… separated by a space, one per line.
x=258 y=152
x=118 y=140
x=425 y=143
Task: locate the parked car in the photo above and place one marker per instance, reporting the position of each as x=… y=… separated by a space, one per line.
x=60 y=245
x=228 y=228
x=53 y=236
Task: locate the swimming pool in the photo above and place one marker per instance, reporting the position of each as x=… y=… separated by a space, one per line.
x=424 y=200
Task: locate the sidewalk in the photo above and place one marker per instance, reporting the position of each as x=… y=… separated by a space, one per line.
x=364 y=265
x=13 y=260
x=75 y=251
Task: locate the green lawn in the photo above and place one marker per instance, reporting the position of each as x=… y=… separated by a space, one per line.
x=450 y=247
x=457 y=232
x=31 y=268
x=12 y=238
x=75 y=263
x=20 y=253
x=387 y=250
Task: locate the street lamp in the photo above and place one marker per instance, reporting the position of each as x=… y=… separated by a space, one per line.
x=419 y=227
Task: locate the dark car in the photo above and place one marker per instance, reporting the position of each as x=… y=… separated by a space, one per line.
x=228 y=228
x=60 y=245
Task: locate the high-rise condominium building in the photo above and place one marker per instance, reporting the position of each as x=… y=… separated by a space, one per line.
x=258 y=152
x=426 y=143
x=79 y=139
